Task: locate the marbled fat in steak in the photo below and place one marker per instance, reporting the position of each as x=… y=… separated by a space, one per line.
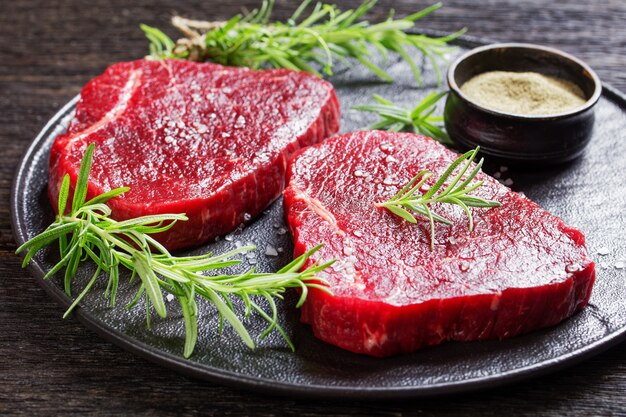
x=520 y=269
x=201 y=139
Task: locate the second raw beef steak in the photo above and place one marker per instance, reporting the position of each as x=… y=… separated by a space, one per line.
x=520 y=269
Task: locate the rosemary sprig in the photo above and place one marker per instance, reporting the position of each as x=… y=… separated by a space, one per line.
x=419 y=120
x=449 y=188
x=88 y=233
x=327 y=34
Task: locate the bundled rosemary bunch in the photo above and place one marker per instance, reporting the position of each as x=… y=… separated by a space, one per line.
x=87 y=232
x=322 y=37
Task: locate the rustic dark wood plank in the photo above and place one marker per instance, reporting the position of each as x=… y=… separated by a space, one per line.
x=49 y=49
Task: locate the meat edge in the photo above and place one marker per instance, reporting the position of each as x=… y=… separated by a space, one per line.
x=378 y=329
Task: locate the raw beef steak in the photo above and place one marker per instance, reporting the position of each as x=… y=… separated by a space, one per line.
x=520 y=269
x=201 y=139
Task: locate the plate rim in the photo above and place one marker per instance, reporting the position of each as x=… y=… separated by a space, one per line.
x=274 y=387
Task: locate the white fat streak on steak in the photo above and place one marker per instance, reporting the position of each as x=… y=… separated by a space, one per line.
x=521 y=267
x=201 y=139
x=125 y=94
x=317 y=207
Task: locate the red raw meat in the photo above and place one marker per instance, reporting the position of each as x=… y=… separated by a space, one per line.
x=520 y=269
x=201 y=139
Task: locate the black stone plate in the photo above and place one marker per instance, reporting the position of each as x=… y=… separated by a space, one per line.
x=588 y=193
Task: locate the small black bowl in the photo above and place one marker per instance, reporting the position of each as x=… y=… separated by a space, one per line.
x=540 y=139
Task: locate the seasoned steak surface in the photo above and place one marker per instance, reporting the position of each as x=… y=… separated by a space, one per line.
x=520 y=269
x=201 y=139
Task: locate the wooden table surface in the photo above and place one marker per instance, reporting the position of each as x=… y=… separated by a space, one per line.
x=49 y=49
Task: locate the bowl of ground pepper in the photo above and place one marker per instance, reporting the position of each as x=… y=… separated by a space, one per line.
x=522 y=102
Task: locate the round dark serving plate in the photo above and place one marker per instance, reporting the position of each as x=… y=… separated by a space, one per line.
x=588 y=193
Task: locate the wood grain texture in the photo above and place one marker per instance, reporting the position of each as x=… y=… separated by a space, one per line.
x=49 y=49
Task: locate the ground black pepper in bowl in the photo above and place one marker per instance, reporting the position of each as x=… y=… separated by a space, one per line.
x=524 y=93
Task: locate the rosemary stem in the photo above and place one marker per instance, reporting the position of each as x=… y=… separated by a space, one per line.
x=448 y=189
x=102 y=234
x=87 y=233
